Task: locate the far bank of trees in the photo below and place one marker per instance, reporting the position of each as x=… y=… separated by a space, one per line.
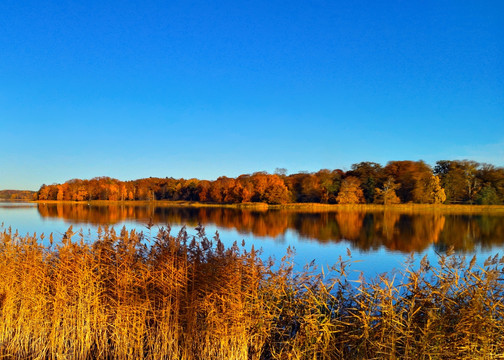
x=17 y=195
x=450 y=181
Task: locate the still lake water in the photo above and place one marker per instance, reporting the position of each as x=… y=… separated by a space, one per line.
x=379 y=240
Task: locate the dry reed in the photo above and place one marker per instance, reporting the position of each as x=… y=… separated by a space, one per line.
x=126 y=296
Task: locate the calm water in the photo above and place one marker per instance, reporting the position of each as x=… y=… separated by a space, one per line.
x=380 y=241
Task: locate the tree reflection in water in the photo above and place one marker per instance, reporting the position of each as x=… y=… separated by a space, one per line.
x=394 y=230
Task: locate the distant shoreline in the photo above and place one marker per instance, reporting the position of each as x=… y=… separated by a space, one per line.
x=459 y=208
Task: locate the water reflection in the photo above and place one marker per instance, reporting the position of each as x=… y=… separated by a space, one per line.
x=368 y=231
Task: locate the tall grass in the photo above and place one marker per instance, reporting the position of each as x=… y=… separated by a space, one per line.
x=125 y=296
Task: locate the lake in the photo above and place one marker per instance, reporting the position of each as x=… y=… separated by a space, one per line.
x=379 y=241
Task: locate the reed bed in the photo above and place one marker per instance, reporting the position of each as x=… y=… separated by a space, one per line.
x=126 y=296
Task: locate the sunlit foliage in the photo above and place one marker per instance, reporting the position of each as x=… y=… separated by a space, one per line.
x=459 y=181
x=371 y=176
x=436 y=193
x=350 y=192
x=387 y=194
x=412 y=176
x=126 y=296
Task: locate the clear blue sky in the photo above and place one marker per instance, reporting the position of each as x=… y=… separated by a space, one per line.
x=133 y=89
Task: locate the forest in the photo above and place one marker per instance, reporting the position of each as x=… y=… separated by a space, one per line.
x=406 y=181
x=17 y=194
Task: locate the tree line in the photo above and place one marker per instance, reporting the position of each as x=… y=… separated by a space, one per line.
x=16 y=194
x=449 y=181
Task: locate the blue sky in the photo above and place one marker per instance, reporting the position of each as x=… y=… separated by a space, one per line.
x=200 y=89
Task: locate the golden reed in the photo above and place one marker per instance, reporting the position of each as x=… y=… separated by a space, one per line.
x=127 y=296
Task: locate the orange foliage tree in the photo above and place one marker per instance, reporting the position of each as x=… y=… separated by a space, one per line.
x=411 y=175
x=350 y=192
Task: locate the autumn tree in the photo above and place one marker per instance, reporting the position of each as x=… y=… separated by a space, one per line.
x=330 y=183
x=244 y=188
x=63 y=192
x=228 y=190
x=412 y=176
x=81 y=194
x=260 y=183
x=123 y=191
x=276 y=192
x=436 y=192
x=48 y=192
x=215 y=191
x=43 y=192
x=387 y=194
x=204 y=191
x=269 y=188
x=166 y=189
x=189 y=190
x=492 y=180
x=371 y=176
x=473 y=184
x=350 y=191
x=322 y=186
x=309 y=188
x=93 y=188
x=459 y=179
x=146 y=189
x=294 y=183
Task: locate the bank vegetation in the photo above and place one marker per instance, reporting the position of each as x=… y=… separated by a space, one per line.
x=399 y=182
x=125 y=296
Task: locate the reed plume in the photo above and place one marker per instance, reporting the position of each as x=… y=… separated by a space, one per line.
x=126 y=295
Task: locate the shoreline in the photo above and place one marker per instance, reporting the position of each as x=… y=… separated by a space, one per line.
x=444 y=208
